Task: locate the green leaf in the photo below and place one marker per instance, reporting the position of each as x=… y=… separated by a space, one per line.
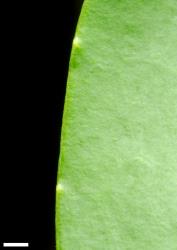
x=117 y=180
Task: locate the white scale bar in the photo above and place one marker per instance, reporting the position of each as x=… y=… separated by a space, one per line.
x=15 y=244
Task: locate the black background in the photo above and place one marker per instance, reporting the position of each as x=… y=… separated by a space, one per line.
x=36 y=43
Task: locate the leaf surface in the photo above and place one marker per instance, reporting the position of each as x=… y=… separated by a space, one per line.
x=117 y=179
